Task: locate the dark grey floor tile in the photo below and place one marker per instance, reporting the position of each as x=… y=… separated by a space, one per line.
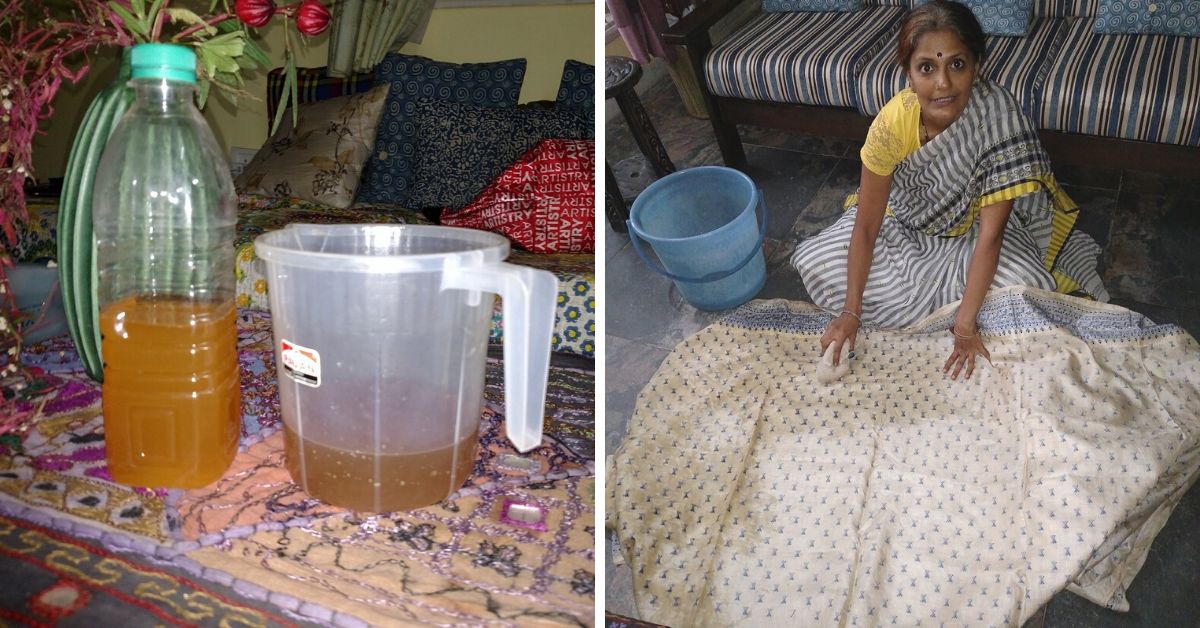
x=1166 y=592
x=1180 y=189
x=1152 y=253
x=614 y=242
x=1088 y=177
x=643 y=306
x=789 y=181
x=813 y=144
x=828 y=203
x=1096 y=209
x=618 y=585
x=627 y=367
x=783 y=282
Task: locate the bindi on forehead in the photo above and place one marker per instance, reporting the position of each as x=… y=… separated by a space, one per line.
x=939 y=55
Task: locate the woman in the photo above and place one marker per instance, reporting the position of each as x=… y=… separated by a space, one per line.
x=956 y=196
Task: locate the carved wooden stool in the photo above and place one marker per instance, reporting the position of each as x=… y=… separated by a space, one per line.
x=621 y=75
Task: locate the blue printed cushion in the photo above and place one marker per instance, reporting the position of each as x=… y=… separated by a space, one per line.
x=1149 y=17
x=461 y=148
x=1133 y=87
x=1000 y=17
x=800 y=58
x=769 y=6
x=578 y=86
x=387 y=175
x=1015 y=63
x=1067 y=8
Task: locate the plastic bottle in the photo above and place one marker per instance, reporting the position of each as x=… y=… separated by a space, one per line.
x=164 y=213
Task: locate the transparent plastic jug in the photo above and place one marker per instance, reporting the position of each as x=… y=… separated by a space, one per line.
x=381 y=337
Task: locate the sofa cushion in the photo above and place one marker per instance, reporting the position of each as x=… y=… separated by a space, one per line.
x=1158 y=17
x=577 y=88
x=387 y=175
x=321 y=159
x=460 y=148
x=769 y=6
x=545 y=202
x=1066 y=8
x=1001 y=17
x=1136 y=87
x=800 y=58
x=1016 y=63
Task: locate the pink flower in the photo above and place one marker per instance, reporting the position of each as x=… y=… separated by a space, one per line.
x=313 y=18
x=255 y=13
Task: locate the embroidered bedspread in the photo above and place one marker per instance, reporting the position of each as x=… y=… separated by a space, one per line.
x=459 y=562
x=746 y=492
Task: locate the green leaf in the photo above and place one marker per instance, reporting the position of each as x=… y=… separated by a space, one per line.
x=202 y=87
x=153 y=14
x=134 y=25
x=221 y=52
x=289 y=80
x=139 y=7
x=255 y=52
x=190 y=17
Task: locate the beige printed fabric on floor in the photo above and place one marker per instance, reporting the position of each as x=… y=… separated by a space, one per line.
x=747 y=492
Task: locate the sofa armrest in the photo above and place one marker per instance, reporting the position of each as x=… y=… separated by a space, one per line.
x=692 y=29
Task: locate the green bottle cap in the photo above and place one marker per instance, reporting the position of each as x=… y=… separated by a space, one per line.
x=167 y=61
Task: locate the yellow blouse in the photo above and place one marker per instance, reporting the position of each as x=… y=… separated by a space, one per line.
x=894 y=133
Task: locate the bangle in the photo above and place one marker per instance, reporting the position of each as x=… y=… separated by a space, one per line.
x=856 y=316
x=960 y=336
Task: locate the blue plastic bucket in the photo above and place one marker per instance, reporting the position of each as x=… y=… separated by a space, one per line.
x=702 y=226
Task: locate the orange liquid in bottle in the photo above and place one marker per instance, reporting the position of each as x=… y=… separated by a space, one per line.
x=171 y=394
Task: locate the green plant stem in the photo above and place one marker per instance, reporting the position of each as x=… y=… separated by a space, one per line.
x=196 y=27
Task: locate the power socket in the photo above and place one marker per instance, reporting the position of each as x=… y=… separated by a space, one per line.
x=238 y=158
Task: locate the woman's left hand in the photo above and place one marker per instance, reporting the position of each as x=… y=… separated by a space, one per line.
x=966 y=349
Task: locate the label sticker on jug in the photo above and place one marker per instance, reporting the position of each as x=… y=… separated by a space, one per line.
x=301 y=363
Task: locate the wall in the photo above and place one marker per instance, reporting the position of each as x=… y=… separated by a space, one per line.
x=546 y=35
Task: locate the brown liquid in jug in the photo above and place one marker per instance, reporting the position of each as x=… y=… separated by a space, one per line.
x=405 y=481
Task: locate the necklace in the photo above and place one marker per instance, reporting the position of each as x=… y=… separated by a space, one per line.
x=924 y=131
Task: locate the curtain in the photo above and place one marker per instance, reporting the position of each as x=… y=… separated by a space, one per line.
x=363 y=31
x=641 y=22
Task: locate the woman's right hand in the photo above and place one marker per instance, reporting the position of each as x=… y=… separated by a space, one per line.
x=840 y=330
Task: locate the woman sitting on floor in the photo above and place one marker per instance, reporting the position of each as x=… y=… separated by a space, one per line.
x=956 y=196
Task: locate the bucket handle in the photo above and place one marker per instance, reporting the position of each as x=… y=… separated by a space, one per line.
x=762 y=212
x=528 y=299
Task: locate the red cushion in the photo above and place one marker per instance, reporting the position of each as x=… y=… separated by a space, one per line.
x=544 y=202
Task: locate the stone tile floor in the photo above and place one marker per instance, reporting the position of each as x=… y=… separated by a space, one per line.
x=1147 y=224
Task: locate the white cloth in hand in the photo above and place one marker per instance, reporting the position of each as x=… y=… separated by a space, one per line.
x=827 y=373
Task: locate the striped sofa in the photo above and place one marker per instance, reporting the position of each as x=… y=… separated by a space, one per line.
x=1120 y=101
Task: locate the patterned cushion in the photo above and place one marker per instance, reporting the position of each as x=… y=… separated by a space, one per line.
x=577 y=88
x=545 y=202
x=321 y=159
x=802 y=58
x=460 y=148
x=1067 y=8
x=313 y=85
x=1137 y=87
x=1153 y=17
x=1001 y=17
x=769 y=6
x=389 y=171
x=1017 y=63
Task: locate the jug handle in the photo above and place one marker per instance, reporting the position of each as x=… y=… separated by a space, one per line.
x=528 y=301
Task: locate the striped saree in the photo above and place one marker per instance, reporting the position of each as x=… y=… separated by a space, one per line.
x=990 y=154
